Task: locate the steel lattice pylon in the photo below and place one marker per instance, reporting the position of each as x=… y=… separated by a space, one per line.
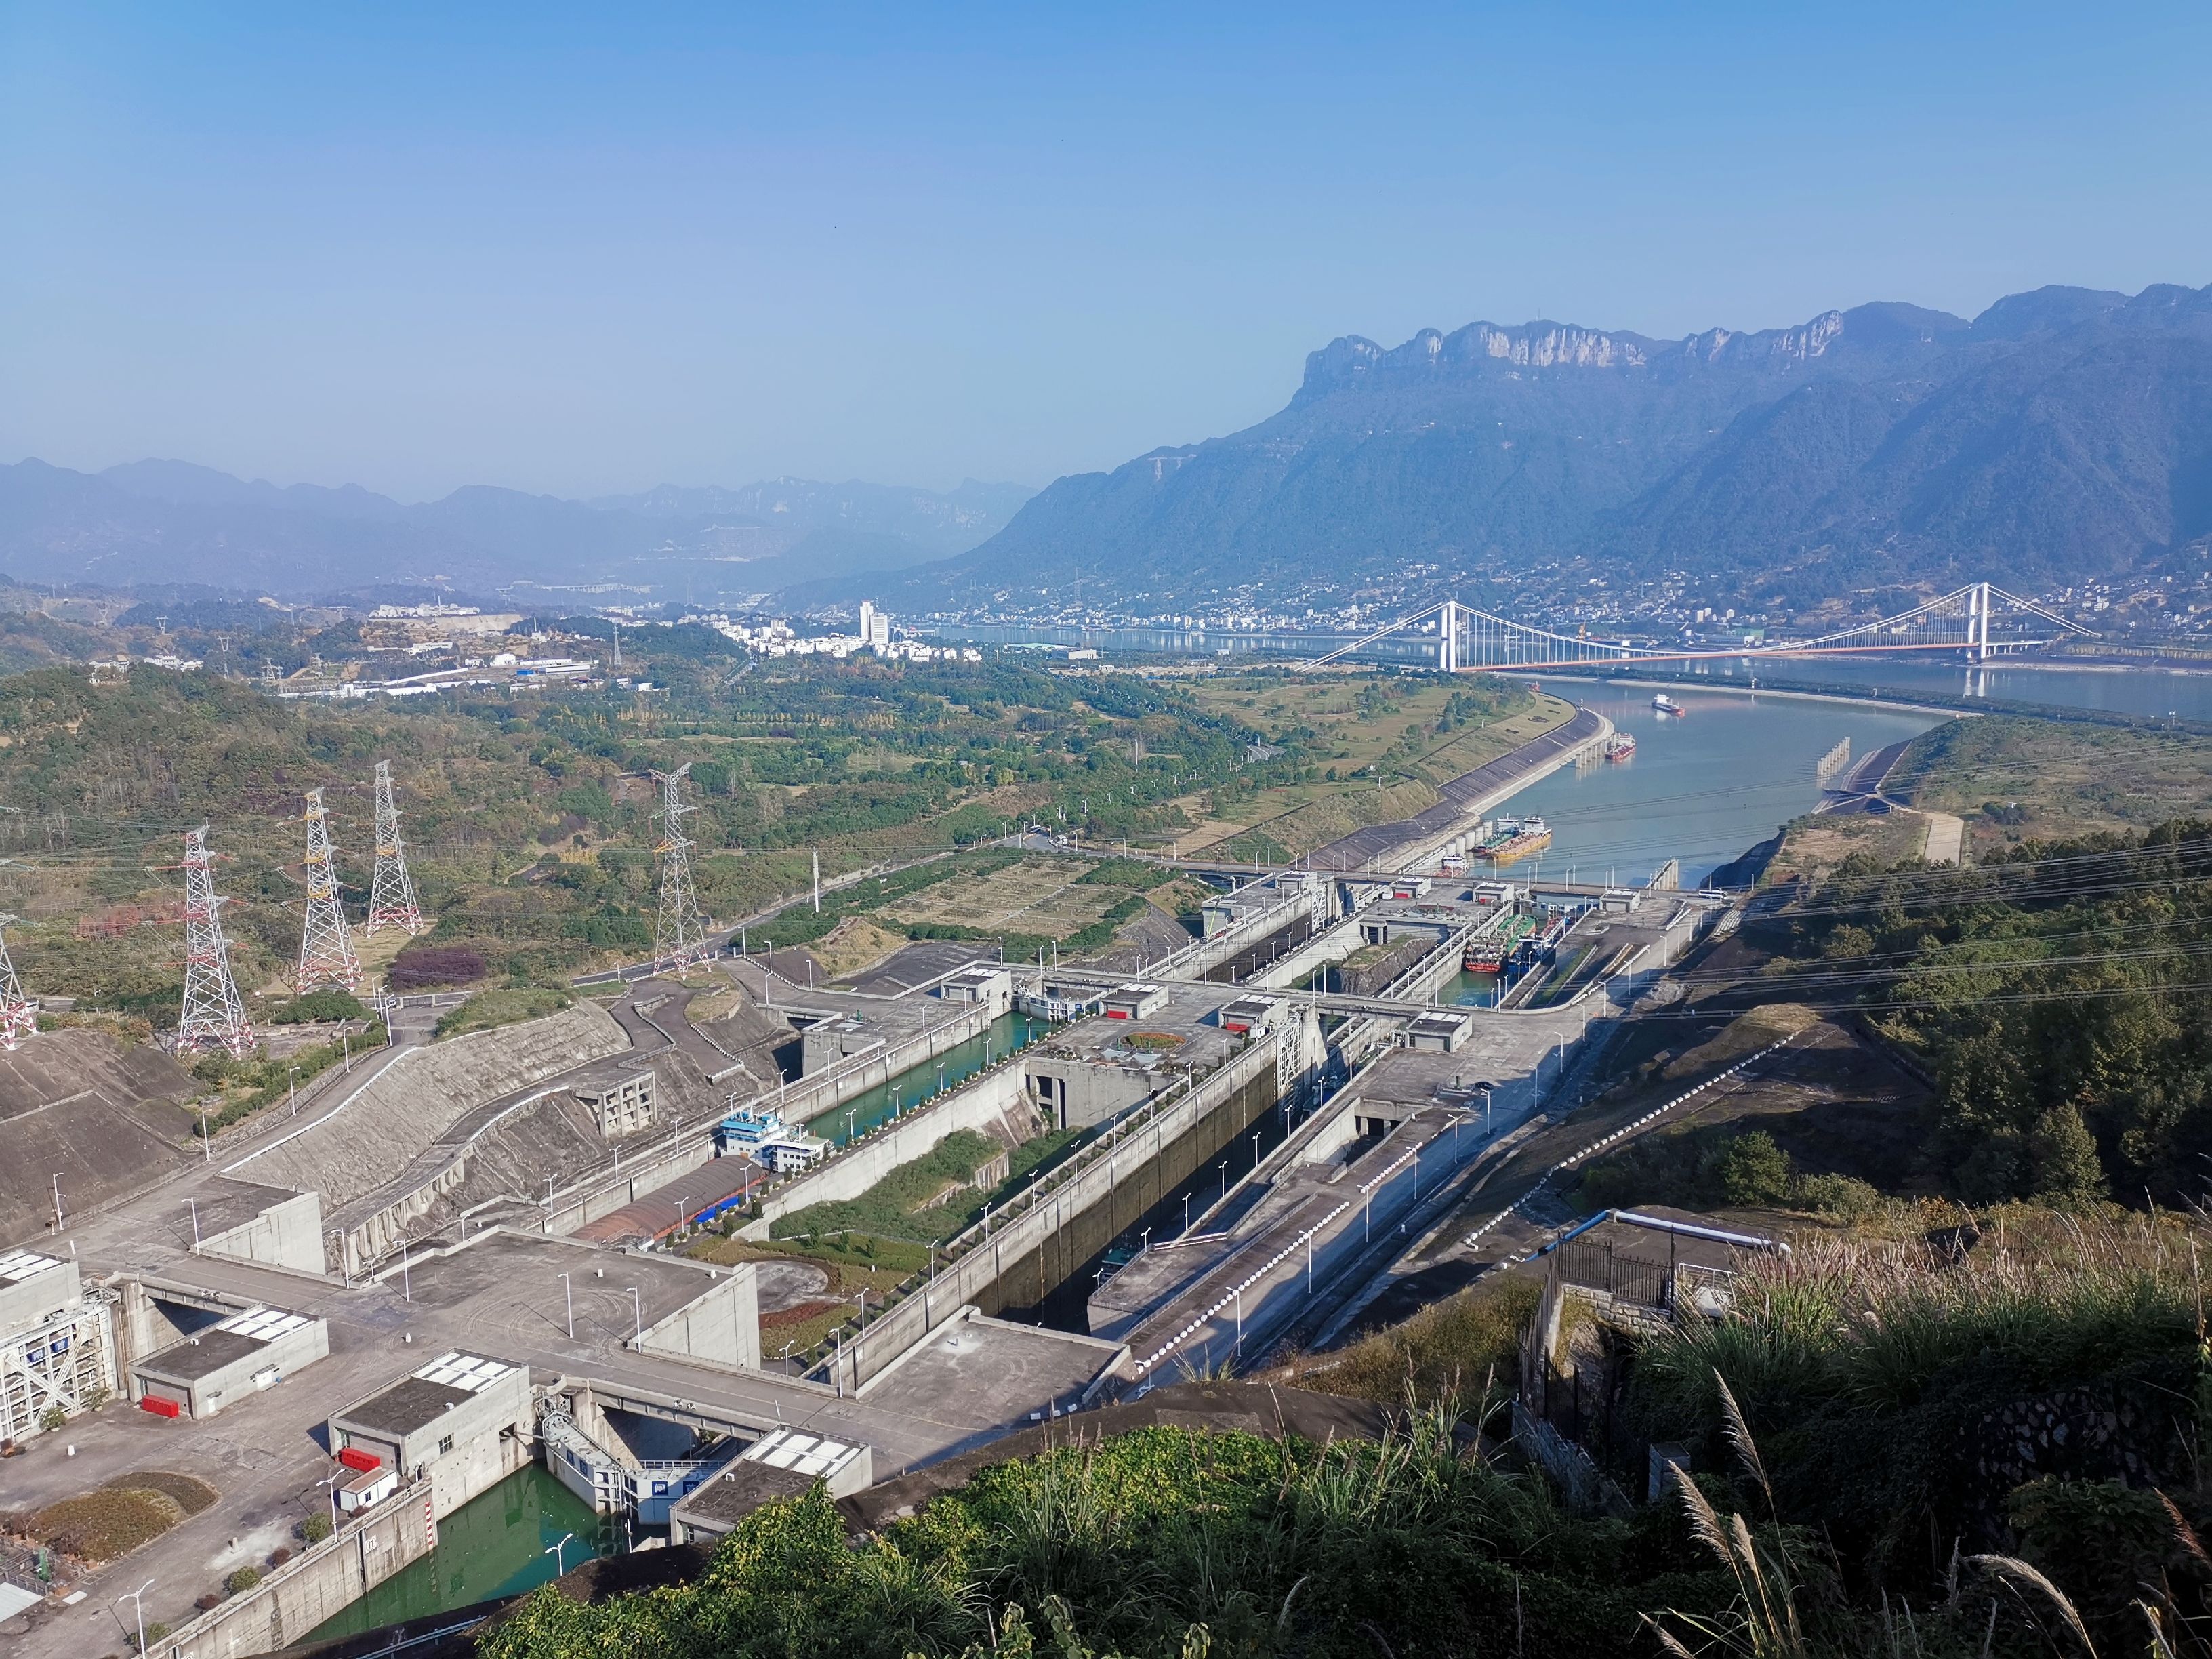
x=19 y=1015
x=326 y=955
x=391 y=895
x=680 y=939
x=213 y=1014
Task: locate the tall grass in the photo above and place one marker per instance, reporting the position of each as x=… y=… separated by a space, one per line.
x=1869 y=1325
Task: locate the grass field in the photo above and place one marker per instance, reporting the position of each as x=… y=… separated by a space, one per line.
x=1388 y=743
x=2015 y=778
x=1042 y=896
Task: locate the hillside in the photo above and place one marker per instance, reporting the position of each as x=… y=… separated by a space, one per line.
x=169 y=522
x=2062 y=433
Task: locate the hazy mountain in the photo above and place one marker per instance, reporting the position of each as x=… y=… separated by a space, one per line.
x=2063 y=433
x=173 y=522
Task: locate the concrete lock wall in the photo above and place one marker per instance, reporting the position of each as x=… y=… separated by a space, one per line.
x=983 y=1103
x=602 y=1195
x=720 y=1328
x=288 y=1234
x=317 y=1584
x=1029 y=1252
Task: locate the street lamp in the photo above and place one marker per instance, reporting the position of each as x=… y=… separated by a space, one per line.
x=558 y=1549
x=58 y=1205
x=295 y=1091
x=138 y=1609
x=207 y=1151
x=637 y=1313
x=195 y=1203
x=682 y=1203
x=569 y=1298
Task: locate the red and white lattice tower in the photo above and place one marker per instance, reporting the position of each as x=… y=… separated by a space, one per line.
x=326 y=955
x=680 y=938
x=391 y=895
x=213 y=1014
x=19 y=1015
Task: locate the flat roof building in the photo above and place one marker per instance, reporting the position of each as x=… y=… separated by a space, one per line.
x=230 y=1360
x=782 y=1464
x=463 y=1419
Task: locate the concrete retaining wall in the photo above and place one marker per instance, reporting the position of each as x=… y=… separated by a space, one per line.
x=678 y=1155
x=720 y=1327
x=985 y=1101
x=317 y=1584
x=288 y=1234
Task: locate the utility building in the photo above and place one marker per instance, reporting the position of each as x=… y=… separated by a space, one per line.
x=229 y=1361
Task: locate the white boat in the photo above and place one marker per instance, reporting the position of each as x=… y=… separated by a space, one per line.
x=1666 y=705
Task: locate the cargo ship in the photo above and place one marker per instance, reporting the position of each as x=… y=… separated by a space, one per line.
x=1619 y=747
x=1512 y=839
x=1666 y=705
x=1489 y=953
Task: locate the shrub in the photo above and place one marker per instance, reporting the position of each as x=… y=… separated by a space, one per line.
x=420 y=967
x=242 y=1581
x=1754 y=1170
x=315 y=1529
x=327 y=1002
x=280 y=1555
x=52 y=1418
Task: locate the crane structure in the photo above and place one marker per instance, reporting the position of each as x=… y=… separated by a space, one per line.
x=680 y=938
x=391 y=893
x=19 y=1015
x=326 y=953
x=213 y=1015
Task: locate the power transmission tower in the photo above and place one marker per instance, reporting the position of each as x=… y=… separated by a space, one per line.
x=681 y=937
x=391 y=895
x=19 y=1015
x=326 y=955
x=213 y=1014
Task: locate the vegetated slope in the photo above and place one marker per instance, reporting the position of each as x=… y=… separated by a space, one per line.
x=170 y=522
x=2063 y=434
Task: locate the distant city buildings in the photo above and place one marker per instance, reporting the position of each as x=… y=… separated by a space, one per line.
x=779 y=639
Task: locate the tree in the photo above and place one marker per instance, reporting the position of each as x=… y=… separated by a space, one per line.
x=2064 y=1154
x=1754 y=1170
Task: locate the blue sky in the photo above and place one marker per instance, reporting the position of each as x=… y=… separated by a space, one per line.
x=592 y=249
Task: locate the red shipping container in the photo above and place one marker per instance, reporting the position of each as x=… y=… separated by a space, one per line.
x=159 y=1406
x=355 y=1458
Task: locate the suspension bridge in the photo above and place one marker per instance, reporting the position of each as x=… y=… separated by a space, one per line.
x=1979 y=621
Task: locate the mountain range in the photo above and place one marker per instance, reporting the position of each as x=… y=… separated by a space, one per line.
x=171 y=522
x=2062 y=434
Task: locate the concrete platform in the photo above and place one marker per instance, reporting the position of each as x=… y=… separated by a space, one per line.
x=993 y=1375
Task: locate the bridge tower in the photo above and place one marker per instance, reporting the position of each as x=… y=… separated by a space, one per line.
x=1447 y=637
x=680 y=938
x=1977 y=623
x=213 y=1015
x=392 y=894
x=326 y=955
x=19 y=1015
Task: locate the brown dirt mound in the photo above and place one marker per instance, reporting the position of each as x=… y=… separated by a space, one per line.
x=108 y=1523
x=1746 y=1034
x=191 y=1493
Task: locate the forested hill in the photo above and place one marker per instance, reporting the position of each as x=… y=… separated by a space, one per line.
x=2062 y=433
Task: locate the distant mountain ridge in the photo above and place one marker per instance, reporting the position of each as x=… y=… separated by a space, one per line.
x=164 y=521
x=2063 y=434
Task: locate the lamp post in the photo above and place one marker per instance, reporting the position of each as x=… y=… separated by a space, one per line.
x=682 y=1203
x=137 y=1609
x=330 y=1484
x=295 y=1091
x=406 y=1280
x=637 y=1313
x=207 y=1151
x=58 y=1222
x=195 y=1203
x=558 y=1549
x=568 y=1299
